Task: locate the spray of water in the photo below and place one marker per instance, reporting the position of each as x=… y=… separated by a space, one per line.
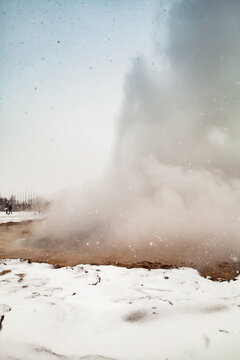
x=173 y=185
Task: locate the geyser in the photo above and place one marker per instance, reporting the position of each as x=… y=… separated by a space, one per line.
x=173 y=186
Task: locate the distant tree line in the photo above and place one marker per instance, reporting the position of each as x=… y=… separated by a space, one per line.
x=32 y=204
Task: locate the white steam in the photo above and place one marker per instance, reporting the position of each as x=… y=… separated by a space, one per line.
x=175 y=172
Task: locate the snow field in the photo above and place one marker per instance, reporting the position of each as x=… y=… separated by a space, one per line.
x=19 y=216
x=107 y=312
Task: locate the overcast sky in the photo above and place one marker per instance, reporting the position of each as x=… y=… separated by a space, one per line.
x=62 y=70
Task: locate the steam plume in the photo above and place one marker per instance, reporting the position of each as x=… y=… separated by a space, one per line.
x=174 y=177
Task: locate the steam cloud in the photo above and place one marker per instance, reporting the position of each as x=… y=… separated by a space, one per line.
x=174 y=177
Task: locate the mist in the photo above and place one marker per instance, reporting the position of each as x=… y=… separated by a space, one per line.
x=173 y=184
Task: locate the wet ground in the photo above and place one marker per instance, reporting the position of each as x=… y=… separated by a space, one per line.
x=17 y=241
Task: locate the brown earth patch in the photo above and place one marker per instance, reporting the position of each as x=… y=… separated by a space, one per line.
x=20 y=277
x=4 y=272
x=17 y=241
x=136 y=316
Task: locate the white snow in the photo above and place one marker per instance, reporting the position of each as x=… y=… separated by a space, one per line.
x=19 y=216
x=107 y=312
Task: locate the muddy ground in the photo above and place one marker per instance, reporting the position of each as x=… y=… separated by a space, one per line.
x=17 y=241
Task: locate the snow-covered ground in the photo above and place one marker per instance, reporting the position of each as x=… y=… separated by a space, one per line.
x=19 y=216
x=107 y=312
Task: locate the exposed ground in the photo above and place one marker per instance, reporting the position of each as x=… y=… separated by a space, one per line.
x=17 y=241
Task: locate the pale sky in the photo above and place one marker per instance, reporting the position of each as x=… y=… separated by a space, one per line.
x=62 y=70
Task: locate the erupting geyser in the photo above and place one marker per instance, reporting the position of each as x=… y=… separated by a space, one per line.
x=173 y=186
